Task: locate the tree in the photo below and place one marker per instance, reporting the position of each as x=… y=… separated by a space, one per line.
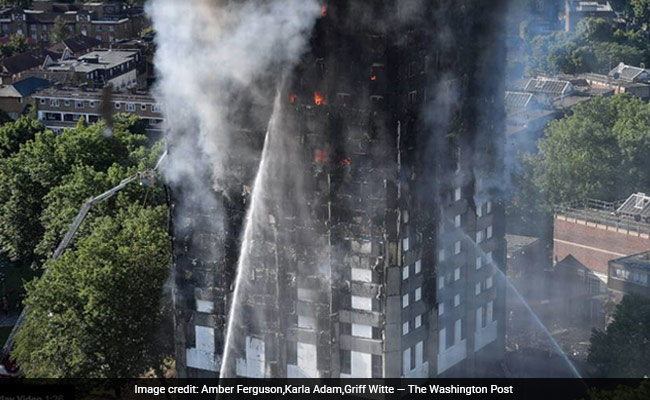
x=622 y=392
x=60 y=31
x=641 y=10
x=15 y=134
x=601 y=151
x=595 y=47
x=48 y=161
x=594 y=30
x=17 y=44
x=83 y=320
x=622 y=6
x=623 y=349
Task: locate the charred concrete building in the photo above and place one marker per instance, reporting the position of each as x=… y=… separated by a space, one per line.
x=376 y=231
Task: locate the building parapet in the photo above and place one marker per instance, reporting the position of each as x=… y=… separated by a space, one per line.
x=603 y=214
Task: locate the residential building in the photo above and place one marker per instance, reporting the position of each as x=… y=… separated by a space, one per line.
x=525 y=255
x=576 y=10
x=381 y=255
x=595 y=232
x=629 y=274
x=15 y=97
x=108 y=22
x=636 y=88
x=75 y=46
x=60 y=108
x=629 y=73
x=14 y=67
x=99 y=68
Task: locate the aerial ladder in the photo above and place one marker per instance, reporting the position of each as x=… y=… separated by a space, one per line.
x=7 y=368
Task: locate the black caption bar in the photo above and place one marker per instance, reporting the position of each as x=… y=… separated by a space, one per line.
x=316 y=389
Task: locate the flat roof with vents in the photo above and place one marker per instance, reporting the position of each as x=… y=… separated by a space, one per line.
x=549 y=86
x=517 y=100
x=636 y=206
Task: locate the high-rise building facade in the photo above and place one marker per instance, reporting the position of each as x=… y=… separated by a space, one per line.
x=376 y=233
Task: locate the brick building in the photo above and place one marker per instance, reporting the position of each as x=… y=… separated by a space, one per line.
x=595 y=232
x=15 y=98
x=107 y=22
x=60 y=108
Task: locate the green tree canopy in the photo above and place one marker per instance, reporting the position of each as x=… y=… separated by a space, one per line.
x=35 y=178
x=16 y=44
x=60 y=30
x=595 y=47
x=14 y=134
x=623 y=350
x=600 y=151
x=594 y=30
x=642 y=392
x=82 y=319
x=641 y=10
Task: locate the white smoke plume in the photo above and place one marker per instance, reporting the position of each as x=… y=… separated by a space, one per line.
x=208 y=53
x=216 y=63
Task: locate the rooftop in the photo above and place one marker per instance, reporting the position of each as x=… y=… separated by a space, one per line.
x=517 y=100
x=94 y=94
x=24 y=87
x=101 y=59
x=549 y=86
x=22 y=62
x=611 y=80
x=636 y=206
x=516 y=243
x=630 y=73
x=76 y=44
x=638 y=261
x=607 y=213
x=597 y=6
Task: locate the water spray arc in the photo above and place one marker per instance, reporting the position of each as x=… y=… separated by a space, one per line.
x=521 y=299
x=254 y=211
x=319 y=243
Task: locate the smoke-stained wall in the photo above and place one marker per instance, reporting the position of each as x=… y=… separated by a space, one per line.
x=367 y=160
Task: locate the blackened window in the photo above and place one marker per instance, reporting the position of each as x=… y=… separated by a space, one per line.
x=377 y=367
x=292 y=353
x=345 y=361
x=413 y=358
x=346 y=328
x=376 y=333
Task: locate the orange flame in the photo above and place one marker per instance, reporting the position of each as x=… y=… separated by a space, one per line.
x=319 y=99
x=323 y=11
x=346 y=162
x=373 y=75
x=292 y=98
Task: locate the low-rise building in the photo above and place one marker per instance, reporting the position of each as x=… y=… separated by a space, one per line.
x=14 y=98
x=618 y=85
x=629 y=73
x=12 y=68
x=75 y=46
x=595 y=232
x=118 y=68
x=61 y=108
x=629 y=275
x=576 y=10
x=105 y=21
x=525 y=256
